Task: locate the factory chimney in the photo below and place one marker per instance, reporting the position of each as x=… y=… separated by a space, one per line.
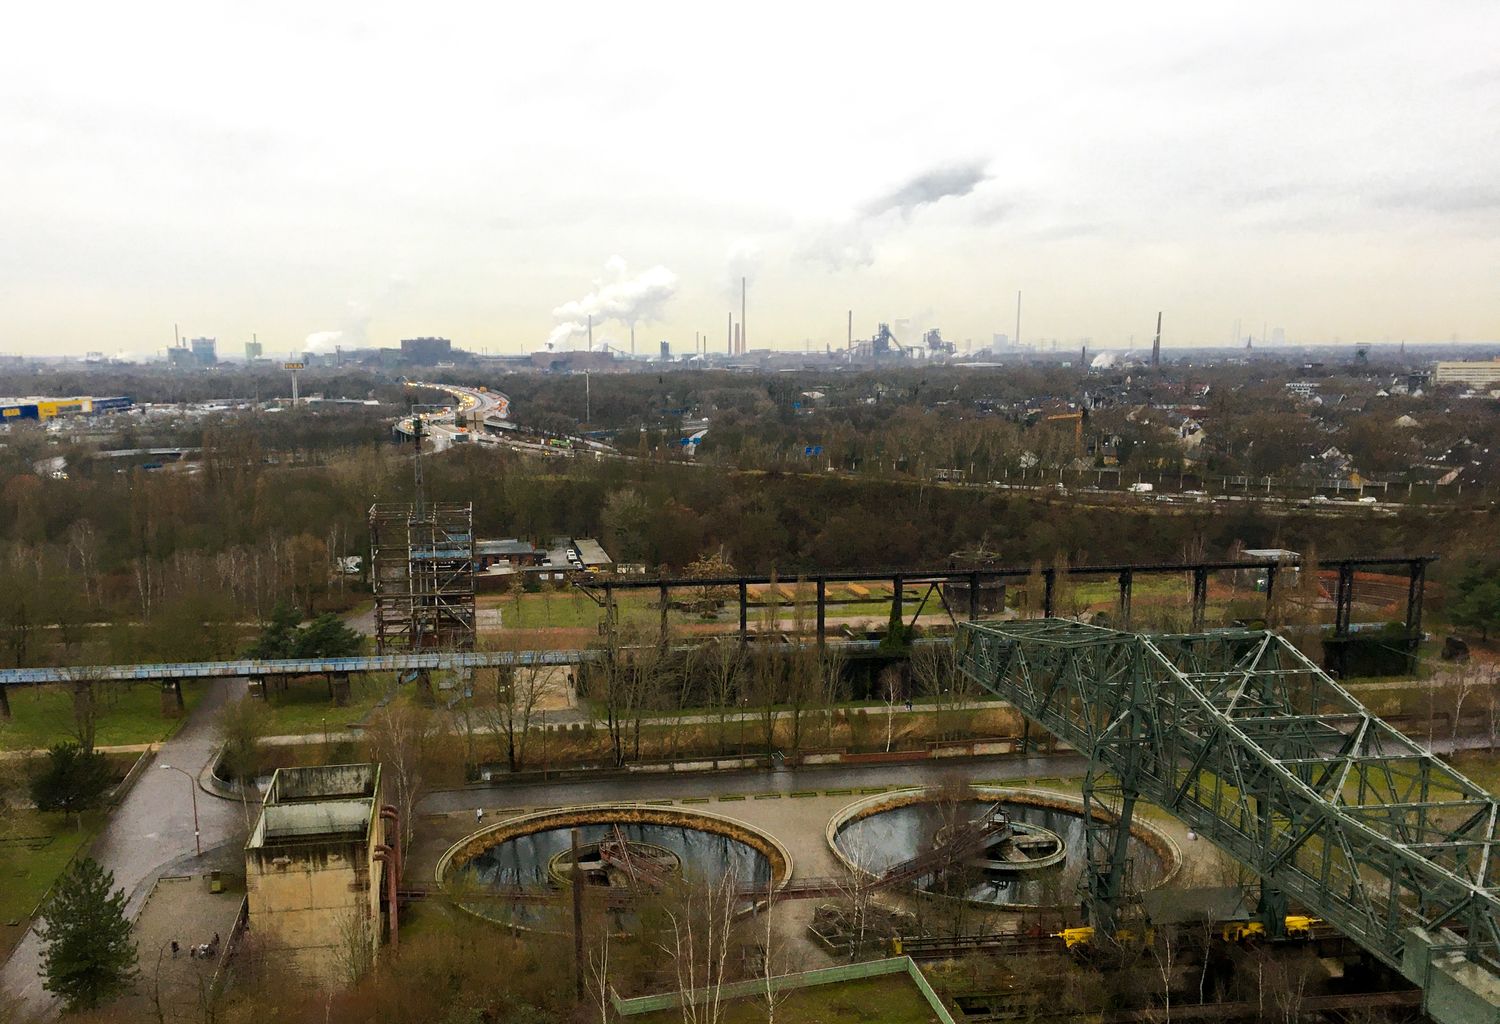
x=591 y=331
x=1018 y=319
x=632 y=337
x=1156 y=344
x=849 y=341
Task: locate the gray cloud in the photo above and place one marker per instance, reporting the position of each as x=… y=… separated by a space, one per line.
x=1442 y=198
x=928 y=187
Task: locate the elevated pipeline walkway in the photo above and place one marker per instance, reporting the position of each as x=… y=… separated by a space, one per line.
x=1259 y=751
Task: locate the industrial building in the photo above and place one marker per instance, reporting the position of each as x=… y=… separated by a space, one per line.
x=426 y=351
x=1474 y=374
x=42 y=409
x=321 y=854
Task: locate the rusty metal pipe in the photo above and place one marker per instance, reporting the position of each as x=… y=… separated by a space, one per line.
x=389 y=813
x=386 y=856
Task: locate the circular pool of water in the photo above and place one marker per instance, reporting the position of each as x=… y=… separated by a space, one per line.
x=671 y=846
x=878 y=833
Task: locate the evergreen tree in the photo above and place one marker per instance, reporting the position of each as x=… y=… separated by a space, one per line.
x=89 y=956
x=326 y=637
x=72 y=781
x=278 y=637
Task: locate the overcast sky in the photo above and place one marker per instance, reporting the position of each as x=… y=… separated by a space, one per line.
x=493 y=173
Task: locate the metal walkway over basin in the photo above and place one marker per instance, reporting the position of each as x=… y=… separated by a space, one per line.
x=1258 y=750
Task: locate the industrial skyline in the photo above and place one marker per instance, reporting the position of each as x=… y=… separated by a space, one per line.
x=1324 y=169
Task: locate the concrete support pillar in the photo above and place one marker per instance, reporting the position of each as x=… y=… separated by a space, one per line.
x=822 y=611
x=1200 y=597
x=1127 y=579
x=897 y=614
x=744 y=611
x=171 y=698
x=338 y=688
x=4 y=703
x=424 y=688
x=1050 y=578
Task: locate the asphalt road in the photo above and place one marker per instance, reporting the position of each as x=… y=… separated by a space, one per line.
x=150 y=830
x=661 y=786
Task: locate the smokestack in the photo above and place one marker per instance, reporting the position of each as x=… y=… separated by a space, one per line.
x=1156 y=343
x=739 y=339
x=742 y=315
x=632 y=338
x=849 y=341
x=1018 y=319
x=591 y=332
x=1083 y=357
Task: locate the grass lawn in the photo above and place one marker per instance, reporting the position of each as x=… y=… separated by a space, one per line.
x=43 y=715
x=304 y=706
x=891 y=999
x=34 y=850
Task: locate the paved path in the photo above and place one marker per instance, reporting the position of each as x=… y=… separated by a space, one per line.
x=150 y=829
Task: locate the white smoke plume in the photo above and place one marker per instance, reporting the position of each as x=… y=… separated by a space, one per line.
x=851 y=244
x=928 y=187
x=741 y=262
x=617 y=296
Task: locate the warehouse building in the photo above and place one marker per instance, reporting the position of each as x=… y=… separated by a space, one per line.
x=43 y=409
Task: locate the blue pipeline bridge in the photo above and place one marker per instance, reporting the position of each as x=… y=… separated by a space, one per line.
x=263 y=672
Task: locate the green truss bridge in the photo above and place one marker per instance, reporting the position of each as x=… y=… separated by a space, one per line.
x=1258 y=750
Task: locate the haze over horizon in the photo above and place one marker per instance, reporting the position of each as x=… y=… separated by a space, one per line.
x=358 y=173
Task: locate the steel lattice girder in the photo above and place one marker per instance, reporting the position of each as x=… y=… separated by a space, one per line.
x=1261 y=752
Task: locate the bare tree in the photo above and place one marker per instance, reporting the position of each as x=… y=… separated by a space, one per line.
x=722 y=662
x=354 y=954
x=1468 y=679
x=599 y=974
x=404 y=738
x=699 y=940
x=772 y=995
x=936 y=672
x=518 y=693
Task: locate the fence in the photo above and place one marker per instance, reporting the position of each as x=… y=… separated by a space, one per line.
x=789 y=982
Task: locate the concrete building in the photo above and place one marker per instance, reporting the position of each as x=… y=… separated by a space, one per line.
x=1474 y=374
x=321 y=855
x=205 y=351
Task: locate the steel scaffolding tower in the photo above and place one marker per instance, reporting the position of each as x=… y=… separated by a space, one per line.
x=422 y=574
x=1257 y=749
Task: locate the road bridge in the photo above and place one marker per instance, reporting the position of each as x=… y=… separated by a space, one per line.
x=1259 y=751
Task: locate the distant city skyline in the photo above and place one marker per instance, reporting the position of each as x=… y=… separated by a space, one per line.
x=355 y=174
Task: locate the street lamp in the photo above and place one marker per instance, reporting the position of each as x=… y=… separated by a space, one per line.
x=193 y=789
